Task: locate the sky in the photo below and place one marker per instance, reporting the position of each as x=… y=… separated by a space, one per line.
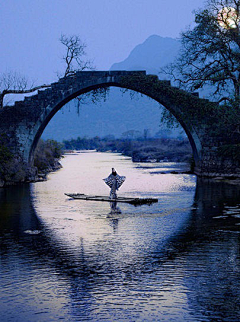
x=30 y=30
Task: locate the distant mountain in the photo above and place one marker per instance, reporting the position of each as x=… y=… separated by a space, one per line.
x=120 y=113
x=153 y=53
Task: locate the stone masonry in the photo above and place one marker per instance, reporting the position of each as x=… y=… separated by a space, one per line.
x=25 y=121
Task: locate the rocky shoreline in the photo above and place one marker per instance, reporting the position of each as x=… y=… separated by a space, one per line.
x=32 y=175
x=14 y=171
x=43 y=175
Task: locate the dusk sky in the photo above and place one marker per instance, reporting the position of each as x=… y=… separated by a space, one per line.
x=30 y=30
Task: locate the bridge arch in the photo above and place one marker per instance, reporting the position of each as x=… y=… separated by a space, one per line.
x=24 y=122
x=83 y=82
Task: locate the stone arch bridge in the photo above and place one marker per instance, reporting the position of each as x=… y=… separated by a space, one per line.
x=25 y=121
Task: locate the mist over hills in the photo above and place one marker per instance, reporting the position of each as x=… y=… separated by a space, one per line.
x=120 y=113
x=153 y=53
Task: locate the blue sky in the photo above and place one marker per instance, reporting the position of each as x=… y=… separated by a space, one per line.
x=30 y=30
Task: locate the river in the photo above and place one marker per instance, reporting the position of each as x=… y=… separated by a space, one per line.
x=72 y=260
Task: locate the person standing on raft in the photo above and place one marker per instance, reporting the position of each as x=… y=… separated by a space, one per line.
x=114 y=181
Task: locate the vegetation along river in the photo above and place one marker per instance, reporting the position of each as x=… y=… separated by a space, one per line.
x=71 y=260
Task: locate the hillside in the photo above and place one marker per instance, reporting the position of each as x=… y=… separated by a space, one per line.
x=153 y=53
x=119 y=113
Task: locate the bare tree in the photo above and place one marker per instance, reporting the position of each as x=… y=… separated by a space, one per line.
x=14 y=83
x=210 y=53
x=74 y=55
x=74 y=59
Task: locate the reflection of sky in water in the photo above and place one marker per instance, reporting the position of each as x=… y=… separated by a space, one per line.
x=70 y=220
x=163 y=167
x=120 y=243
x=175 y=260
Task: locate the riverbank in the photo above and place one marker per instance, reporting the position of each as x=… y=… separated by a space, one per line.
x=48 y=154
x=13 y=171
x=140 y=150
x=47 y=157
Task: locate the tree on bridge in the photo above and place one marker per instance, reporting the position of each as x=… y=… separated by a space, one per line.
x=210 y=53
x=73 y=57
x=15 y=83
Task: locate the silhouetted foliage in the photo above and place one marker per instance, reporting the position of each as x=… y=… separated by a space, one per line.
x=11 y=167
x=47 y=155
x=13 y=170
x=141 y=149
x=210 y=52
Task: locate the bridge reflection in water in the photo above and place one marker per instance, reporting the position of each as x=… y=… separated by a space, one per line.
x=192 y=276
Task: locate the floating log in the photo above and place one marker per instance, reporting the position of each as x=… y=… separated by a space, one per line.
x=133 y=201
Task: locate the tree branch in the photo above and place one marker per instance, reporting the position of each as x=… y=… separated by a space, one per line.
x=19 y=91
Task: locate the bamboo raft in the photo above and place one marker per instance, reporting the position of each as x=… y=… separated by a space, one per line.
x=132 y=201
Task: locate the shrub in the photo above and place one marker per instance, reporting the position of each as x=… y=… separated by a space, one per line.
x=47 y=155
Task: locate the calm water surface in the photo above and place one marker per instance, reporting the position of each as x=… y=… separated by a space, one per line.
x=71 y=260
